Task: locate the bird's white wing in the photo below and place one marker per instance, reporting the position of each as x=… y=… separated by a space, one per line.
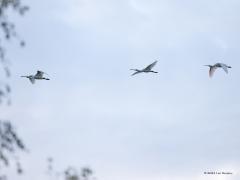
x=212 y=70
x=149 y=67
x=39 y=74
x=137 y=72
x=32 y=80
x=224 y=66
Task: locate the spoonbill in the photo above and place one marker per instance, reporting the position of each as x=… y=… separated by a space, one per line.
x=146 y=69
x=37 y=76
x=212 y=68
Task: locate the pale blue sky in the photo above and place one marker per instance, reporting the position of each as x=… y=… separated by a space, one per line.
x=173 y=125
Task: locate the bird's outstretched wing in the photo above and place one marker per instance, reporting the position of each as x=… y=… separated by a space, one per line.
x=224 y=66
x=39 y=74
x=32 y=80
x=212 y=70
x=149 y=67
x=137 y=72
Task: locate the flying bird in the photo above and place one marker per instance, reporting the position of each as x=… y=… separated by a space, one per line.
x=146 y=69
x=212 y=68
x=37 y=76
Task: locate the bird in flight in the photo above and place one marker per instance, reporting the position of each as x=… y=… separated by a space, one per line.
x=212 y=68
x=146 y=69
x=37 y=76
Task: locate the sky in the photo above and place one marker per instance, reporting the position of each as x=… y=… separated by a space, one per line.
x=173 y=125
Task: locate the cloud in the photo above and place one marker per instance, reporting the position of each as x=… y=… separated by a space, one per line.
x=93 y=13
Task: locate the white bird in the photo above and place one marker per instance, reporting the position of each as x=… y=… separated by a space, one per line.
x=146 y=69
x=37 y=76
x=217 y=65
